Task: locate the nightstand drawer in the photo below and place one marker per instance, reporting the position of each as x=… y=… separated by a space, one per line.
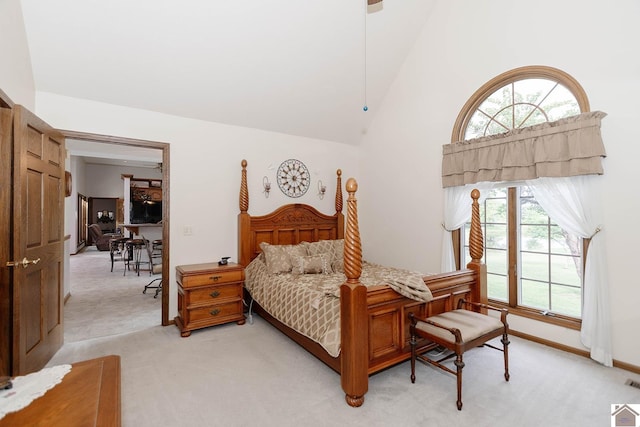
x=209 y=294
x=216 y=313
x=214 y=294
x=212 y=278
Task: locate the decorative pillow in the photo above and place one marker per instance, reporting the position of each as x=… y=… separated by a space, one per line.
x=311 y=264
x=338 y=260
x=333 y=248
x=278 y=257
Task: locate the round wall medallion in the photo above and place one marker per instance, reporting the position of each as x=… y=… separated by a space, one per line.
x=293 y=178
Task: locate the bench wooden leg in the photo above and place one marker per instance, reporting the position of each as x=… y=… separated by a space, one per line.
x=505 y=350
x=459 y=365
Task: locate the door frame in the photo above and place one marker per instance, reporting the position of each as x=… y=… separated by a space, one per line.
x=164 y=146
x=6 y=209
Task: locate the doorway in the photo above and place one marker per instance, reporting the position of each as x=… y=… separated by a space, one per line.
x=83 y=217
x=165 y=168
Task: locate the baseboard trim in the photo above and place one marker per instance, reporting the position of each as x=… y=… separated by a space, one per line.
x=66 y=297
x=584 y=353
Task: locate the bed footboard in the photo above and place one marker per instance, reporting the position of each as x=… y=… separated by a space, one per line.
x=375 y=322
x=388 y=315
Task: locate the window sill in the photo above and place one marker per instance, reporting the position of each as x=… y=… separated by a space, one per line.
x=554 y=319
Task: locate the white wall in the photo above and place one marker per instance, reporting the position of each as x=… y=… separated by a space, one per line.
x=106 y=180
x=462 y=46
x=205 y=170
x=16 y=76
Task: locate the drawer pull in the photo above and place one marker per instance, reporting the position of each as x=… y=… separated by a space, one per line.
x=215 y=278
x=215 y=312
x=215 y=294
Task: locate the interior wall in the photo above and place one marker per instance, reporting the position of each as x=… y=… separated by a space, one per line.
x=16 y=80
x=77 y=168
x=462 y=46
x=106 y=180
x=205 y=170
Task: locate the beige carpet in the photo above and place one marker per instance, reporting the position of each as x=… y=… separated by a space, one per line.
x=253 y=375
x=104 y=303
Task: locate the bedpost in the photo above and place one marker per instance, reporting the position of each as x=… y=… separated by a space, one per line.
x=244 y=247
x=476 y=250
x=353 y=311
x=339 y=214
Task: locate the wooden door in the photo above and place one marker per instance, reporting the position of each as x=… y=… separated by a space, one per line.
x=6 y=150
x=38 y=239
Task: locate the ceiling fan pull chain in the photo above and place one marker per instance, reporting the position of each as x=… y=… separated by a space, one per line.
x=365 y=108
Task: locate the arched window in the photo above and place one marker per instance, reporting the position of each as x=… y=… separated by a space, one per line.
x=533 y=265
x=518 y=98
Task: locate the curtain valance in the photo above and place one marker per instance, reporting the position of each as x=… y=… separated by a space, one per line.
x=570 y=146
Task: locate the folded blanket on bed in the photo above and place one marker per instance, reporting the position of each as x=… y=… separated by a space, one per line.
x=310 y=304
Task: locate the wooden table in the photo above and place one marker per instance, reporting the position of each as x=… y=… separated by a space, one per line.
x=89 y=395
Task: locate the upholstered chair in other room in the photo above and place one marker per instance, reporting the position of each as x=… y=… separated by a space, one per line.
x=101 y=240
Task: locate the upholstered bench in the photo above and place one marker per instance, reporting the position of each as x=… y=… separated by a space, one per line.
x=458 y=331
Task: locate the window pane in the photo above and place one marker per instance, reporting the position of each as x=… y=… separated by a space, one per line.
x=477 y=125
x=495 y=236
x=565 y=270
x=496 y=210
x=531 y=212
x=533 y=90
x=560 y=103
x=496 y=261
x=532 y=116
x=497 y=287
x=497 y=101
x=502 y=122
x=566 y=300
x=564 y=243
x=534 y=294
x=534 y=238
x=534 y=266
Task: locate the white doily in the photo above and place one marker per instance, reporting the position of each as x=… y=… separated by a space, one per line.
x=29 y=387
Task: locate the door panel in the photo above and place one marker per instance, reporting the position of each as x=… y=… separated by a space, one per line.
x=38 y=218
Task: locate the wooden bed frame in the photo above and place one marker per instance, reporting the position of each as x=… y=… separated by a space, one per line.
x=374 y=320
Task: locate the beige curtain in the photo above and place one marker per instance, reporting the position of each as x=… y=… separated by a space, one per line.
x=567 y=147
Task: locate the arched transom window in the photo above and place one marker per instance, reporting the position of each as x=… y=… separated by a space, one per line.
x=519 y=98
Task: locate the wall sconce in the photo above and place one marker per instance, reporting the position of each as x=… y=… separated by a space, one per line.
x=267 y=186
x=321 y=190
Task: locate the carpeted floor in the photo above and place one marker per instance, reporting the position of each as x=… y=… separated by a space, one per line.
x=107 y=303
x=253 y=375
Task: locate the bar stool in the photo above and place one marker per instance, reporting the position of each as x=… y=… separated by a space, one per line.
x=134 y=253
x=116 y=248
x=156 y=247
x=154 y=268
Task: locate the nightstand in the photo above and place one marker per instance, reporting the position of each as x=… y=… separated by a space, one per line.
x=209 y=294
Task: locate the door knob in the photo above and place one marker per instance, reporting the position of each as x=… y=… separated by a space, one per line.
x=24 y=263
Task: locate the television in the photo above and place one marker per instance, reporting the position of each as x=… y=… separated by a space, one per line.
x=145 y=212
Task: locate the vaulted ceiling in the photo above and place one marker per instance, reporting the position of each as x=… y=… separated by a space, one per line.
x=290 y=66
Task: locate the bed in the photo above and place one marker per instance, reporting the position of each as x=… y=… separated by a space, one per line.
x=373 y=319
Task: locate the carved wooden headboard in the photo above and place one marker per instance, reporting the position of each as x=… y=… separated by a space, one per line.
x=289 y=224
